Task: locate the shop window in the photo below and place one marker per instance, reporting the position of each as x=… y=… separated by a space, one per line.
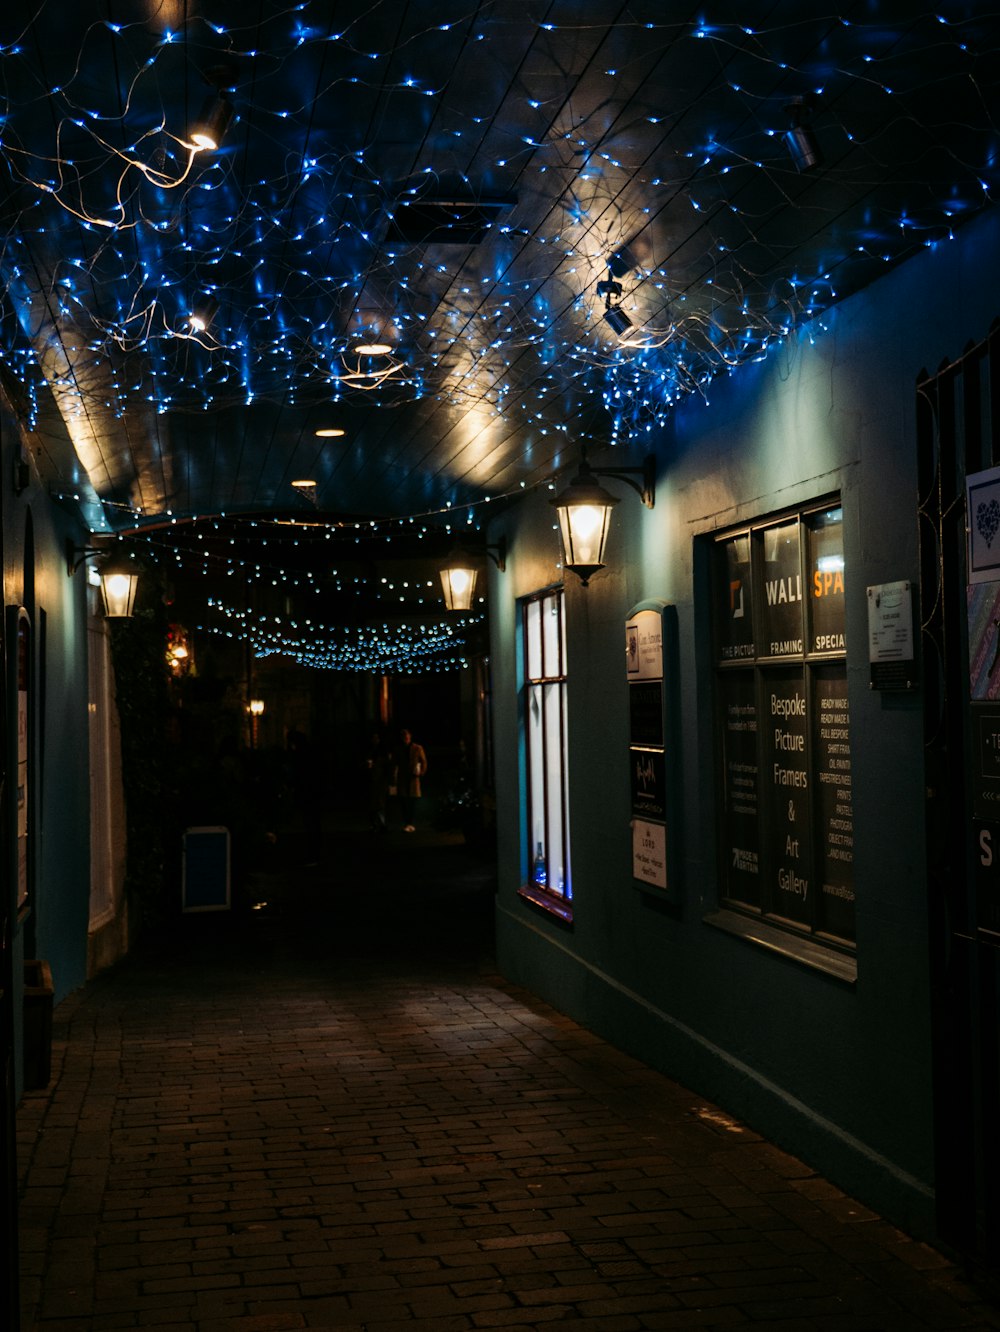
x=783 y=725
x=546 y=874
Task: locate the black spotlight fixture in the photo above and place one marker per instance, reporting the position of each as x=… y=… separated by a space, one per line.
x=613 y=314
x=800 y=140
x=214 y=119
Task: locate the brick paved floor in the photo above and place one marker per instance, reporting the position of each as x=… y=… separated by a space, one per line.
x=356 y=1125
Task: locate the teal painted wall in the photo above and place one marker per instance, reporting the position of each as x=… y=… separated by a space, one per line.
x=35 y=530
x=839 y=1073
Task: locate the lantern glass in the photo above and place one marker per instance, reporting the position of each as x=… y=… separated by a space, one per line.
x=459 y=585
x=584 y=510
x=118 y=588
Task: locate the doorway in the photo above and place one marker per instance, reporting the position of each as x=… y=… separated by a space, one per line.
x=958 y=439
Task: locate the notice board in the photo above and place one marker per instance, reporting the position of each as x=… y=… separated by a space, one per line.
x=205 y=870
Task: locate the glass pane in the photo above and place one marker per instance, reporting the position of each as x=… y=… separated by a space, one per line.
x=536 y=776
x=733 y=602
x=740 y=844
x=781 y=603
x=555 y=853
x=825 y=562
x=552 y=657
x=832 y=801
x=789 y=888
x=533 y=639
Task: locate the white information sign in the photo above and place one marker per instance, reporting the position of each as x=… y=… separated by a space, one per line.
x=890 y=622
x=649 y=853
x=644 y=645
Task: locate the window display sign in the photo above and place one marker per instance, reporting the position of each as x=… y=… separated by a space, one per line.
x=781 y=632
x=832 y=799
x=786 y=774
x=733 y=601
x=741 y=845
x=782 y=725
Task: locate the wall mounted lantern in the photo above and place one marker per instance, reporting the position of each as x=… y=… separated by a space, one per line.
x=458 y=577
x=584 y=509
x=118 y=575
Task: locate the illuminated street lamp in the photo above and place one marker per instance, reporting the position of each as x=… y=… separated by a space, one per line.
x=584 y=509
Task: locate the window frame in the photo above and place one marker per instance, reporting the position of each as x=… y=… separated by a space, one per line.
x=542 y=673
x=800 y=670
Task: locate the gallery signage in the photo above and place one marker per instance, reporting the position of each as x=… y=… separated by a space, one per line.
x=645 y=643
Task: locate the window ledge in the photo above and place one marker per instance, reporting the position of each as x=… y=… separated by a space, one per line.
x=550 y=902
x=807 y=952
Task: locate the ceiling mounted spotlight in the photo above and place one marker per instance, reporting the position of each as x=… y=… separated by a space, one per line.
x=203 y=312
x=800 y=140
x=330 y=432
x=618 y=319
x=613 y=314
x=373 y=348
x=214 y=119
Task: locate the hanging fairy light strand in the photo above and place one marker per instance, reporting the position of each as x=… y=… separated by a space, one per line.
x=120 y=217
x=381 y=649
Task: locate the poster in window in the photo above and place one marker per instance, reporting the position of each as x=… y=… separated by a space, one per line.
x=832 y=802
x=786 y=779
x=781 y=630
x=825 y=564
x=733 y=599
x=982 y=491
x=740 y=839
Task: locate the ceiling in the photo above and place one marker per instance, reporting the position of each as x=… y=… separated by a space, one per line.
x=450 y=178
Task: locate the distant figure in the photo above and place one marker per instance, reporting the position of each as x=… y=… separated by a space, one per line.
x=377 y=764
x=409 y=766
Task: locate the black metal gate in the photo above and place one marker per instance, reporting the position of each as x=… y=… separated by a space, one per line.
x=958 y=433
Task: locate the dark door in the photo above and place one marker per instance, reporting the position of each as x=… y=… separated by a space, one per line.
x=958 y=417
x=9 y=1297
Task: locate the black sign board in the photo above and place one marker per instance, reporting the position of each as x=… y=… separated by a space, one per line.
x=645 y=712
x=985 y=776
x=649 y=789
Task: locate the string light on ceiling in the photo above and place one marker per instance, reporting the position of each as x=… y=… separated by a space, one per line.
x=299 y=223
x=382 y=649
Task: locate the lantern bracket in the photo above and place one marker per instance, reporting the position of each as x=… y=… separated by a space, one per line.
x=498 y=553
x=645 y=488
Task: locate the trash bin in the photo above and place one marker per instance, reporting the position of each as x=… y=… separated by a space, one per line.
x=37 y=1025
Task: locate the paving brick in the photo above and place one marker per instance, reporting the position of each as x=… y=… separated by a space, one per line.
x=268 y=1132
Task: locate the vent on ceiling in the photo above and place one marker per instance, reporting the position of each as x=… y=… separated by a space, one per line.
x=443 y=221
